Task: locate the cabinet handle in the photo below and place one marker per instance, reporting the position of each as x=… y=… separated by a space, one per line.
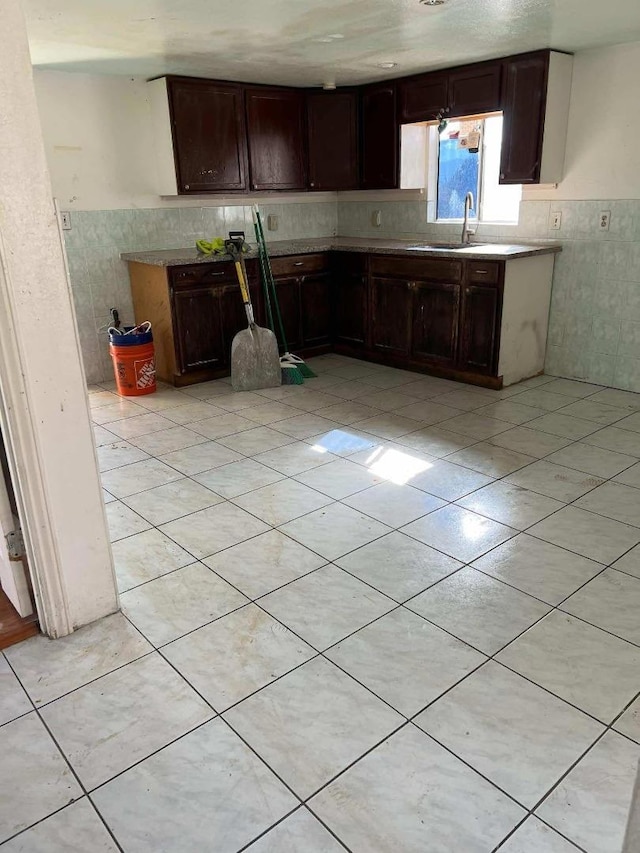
x=215 y=273
x=186 y=186
x=502 y=176
x=312 y=184
x=481 y=272
x=298 y=263
x=468 y=291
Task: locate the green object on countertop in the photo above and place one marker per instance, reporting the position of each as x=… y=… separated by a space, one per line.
x=213 y=247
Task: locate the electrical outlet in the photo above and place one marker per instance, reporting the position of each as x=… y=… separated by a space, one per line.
x=604 y=220
x=272 y=222
x=65 y=219
x=555 y=220
x=376 y=218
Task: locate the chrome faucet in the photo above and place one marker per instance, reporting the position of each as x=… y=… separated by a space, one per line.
x=467 y=233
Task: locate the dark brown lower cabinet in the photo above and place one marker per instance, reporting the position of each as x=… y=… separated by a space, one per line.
x=350 y=303
x=479 y=329
x=315 y=303
x=233 y=316
x=425 y=313
x=429 y=314
x=288 y=292
x=391 y=315
x=198 y=326
x=435 y=313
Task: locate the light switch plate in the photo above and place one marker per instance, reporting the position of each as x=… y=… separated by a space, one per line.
x=272 y=222
x=65 y=219
x=604 y=220
x=555 y=220
x=376 y=218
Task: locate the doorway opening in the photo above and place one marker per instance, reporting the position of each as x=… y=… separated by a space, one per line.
x=18 y=618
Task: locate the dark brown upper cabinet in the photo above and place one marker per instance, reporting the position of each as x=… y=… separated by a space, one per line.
x=423 y=97
x=209 y=138
x=214 y=136
x=276 y=132
x=468 y=90
x=474 y=89
x=523 y=104
x=536 y=91
x=380 y=137
x=332 y=127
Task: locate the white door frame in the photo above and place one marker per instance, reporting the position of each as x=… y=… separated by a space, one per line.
x=26 y=474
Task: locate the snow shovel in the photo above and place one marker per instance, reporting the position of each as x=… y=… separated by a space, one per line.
x=255 y=359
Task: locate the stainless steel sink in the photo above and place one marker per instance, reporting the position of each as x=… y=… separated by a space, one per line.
x=442 y=247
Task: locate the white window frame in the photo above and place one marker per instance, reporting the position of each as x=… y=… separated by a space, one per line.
x=433 y=150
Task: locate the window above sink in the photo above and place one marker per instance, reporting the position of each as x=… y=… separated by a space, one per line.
x=454 y=158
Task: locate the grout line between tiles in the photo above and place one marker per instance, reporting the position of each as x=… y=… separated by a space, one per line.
x=85 y=793
x=398 y=441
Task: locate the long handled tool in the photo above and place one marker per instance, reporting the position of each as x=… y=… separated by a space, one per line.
x=294 y=369
x=255 y=361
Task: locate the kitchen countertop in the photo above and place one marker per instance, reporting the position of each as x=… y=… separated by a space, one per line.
x=484 y=251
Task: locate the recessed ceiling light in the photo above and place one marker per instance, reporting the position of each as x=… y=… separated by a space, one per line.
x=433 y=2
x=387 y=64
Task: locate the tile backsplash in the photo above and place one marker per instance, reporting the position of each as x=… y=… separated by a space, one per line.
x=594 y=330
x=594 y=324
x=100 y=280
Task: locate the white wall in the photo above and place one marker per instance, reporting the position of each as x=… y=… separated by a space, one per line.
x=99 y=145
x=47 y=428
x=602 y=159
x=98 y=140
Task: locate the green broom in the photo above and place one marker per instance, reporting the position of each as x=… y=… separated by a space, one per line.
x=290 y=375
x=288 y=361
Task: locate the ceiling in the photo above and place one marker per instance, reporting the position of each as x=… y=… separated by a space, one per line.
x=300 y=42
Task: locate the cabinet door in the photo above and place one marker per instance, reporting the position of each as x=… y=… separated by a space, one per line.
x=523 y=103
x=233 y=317
x=475 y=89
x=423 y=97
x=436 y=311
x=198 y=330
x=209 y=135
x=478 y=346
x=315 y=297
x=288 y=292
x=332 y=124
x=351 y=308
x=390 y=320
x=275 y=125
x=380 y=134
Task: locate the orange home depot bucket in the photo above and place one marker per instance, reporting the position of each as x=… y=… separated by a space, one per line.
x=133 y=356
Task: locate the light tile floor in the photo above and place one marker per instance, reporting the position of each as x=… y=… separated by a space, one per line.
x=382 y=612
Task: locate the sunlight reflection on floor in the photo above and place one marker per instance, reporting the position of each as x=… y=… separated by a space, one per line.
x=390 y=464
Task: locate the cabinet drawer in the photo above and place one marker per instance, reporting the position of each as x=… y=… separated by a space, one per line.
x=299 y=264
x=421 y=268
x=483 y=272
x=213 y=273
